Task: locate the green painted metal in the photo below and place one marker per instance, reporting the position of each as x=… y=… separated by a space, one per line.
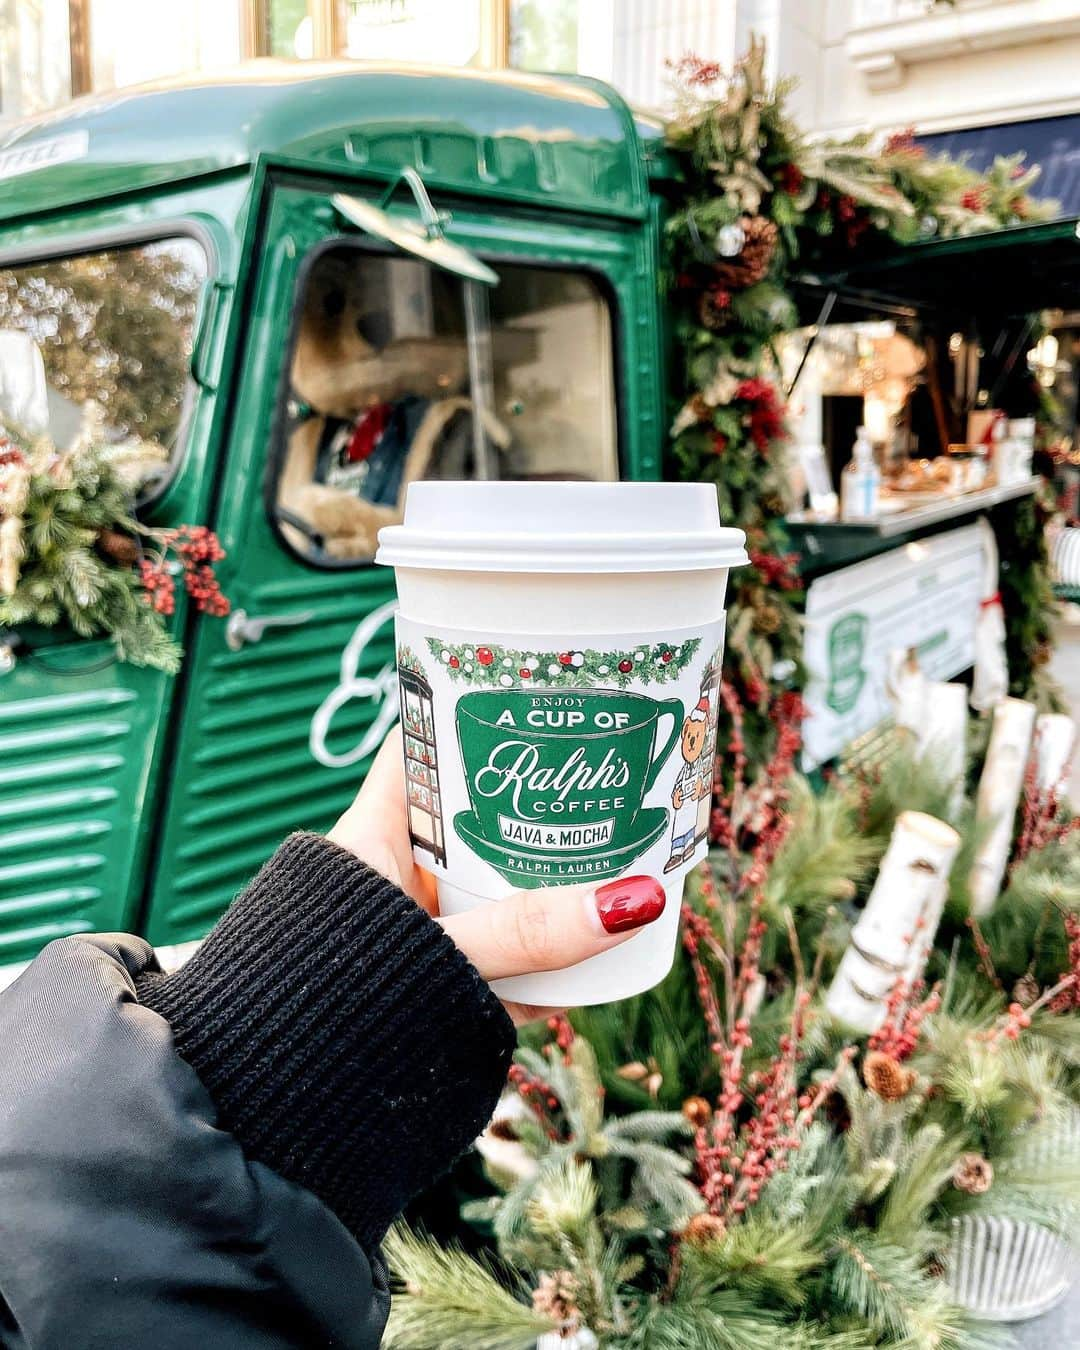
x=74 y=777
x=1005 y=273
x=82 y=739
x=128 y=800
x=244 y=773
x=558 y=143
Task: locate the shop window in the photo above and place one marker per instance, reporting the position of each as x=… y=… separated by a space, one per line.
x=402 y=371
x=131 y=41
x=98 y=345
x=544 y=35
x=35 y=59
x=443 y=32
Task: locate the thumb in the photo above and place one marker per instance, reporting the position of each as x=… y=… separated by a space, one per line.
x=554 y=928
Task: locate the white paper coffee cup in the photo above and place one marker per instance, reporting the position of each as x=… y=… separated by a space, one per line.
x=559 y=651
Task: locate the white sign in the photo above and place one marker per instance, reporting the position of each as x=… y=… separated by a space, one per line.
x=925 y=595
x=44 y=154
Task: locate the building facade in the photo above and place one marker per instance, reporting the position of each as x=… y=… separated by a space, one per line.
x=975 y=75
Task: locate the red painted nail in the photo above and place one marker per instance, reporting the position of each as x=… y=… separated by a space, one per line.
x=630 y=902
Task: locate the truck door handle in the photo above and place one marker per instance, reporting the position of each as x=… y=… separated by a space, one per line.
x=242 y=627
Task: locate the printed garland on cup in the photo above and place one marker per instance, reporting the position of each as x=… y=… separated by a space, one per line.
x=493 y=666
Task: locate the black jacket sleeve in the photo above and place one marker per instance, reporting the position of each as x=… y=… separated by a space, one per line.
x=210 y=1157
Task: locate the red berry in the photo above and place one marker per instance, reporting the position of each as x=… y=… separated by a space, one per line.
x=666 y=657
x=525 y=673
x=454 y=663
x=565 y=658
x=626 y=666
x=484 y=655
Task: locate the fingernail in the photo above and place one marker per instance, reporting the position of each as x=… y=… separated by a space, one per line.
x=630 y=902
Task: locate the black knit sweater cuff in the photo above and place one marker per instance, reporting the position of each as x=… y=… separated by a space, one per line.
x=346 y=1042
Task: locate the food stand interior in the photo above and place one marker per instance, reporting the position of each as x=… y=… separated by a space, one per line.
x=950 y=328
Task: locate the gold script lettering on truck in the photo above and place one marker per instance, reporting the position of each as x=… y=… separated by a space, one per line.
x=262 y=304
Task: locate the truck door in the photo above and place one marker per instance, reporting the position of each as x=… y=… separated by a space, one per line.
x=96 y=340
x=377 y=353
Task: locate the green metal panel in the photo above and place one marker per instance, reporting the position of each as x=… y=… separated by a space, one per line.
x=75 y=788
x=999 y=273
x=244 y=772
x=564 y=143
x=82 y=738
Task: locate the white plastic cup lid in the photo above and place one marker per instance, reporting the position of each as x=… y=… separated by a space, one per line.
x=561 y=527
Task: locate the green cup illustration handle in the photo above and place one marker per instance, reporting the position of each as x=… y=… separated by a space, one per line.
x=673 y=708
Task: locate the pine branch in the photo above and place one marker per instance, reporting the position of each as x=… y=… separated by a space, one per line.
x=767 y=1259
x=885 y=1285
x=453 y=1301
x=924 y=1168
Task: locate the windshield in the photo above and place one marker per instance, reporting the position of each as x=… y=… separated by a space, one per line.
x=98 y=345
x=401 y=370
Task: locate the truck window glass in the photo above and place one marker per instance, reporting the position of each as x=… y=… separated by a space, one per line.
x=380 y=392
x=98 y=345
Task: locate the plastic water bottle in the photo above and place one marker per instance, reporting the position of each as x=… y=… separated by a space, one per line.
x=860 y=482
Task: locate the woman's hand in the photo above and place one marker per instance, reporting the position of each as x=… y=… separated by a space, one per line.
x=527 y=932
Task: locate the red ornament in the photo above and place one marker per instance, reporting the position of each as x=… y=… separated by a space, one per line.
x=626 y=666
x=453 y=663
x=525 y=673
x=485 y=655
x=666 y=657
x=565 y=658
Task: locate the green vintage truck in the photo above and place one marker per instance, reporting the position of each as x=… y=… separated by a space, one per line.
x=260 y=273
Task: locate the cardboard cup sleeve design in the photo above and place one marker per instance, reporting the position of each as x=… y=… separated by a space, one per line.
x=529 y=765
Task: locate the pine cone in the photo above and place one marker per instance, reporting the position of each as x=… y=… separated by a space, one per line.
x=504 y=1129
x=837 y=1112
x=697 y=1111
x=768 y=619
x=556 y=1297
x=714 y=308
x=1026 y=990
x=753 y=263
x=886 y=1077
x=119 y=547
x=704 y=1228
x=973 y=1174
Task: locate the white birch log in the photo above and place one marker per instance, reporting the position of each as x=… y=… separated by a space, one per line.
x=1055 y=740
x=991 y=679
x=942 y=736
x=927 y=931
x=1000 y=785
x=894 y=932
x=905 y=685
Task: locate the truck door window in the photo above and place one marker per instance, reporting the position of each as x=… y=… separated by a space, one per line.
x=98 y=345
x=382 y=391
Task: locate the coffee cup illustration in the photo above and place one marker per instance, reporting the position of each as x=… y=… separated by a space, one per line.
x=557 y=778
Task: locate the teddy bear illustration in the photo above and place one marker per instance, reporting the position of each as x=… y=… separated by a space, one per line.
x=690 y=785
x=377 y=400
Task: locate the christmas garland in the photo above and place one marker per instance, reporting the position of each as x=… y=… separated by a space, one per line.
x=757 y=201
x=494 y=666
x=73 y=555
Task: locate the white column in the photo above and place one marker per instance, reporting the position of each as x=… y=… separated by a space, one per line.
x=648 y=33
